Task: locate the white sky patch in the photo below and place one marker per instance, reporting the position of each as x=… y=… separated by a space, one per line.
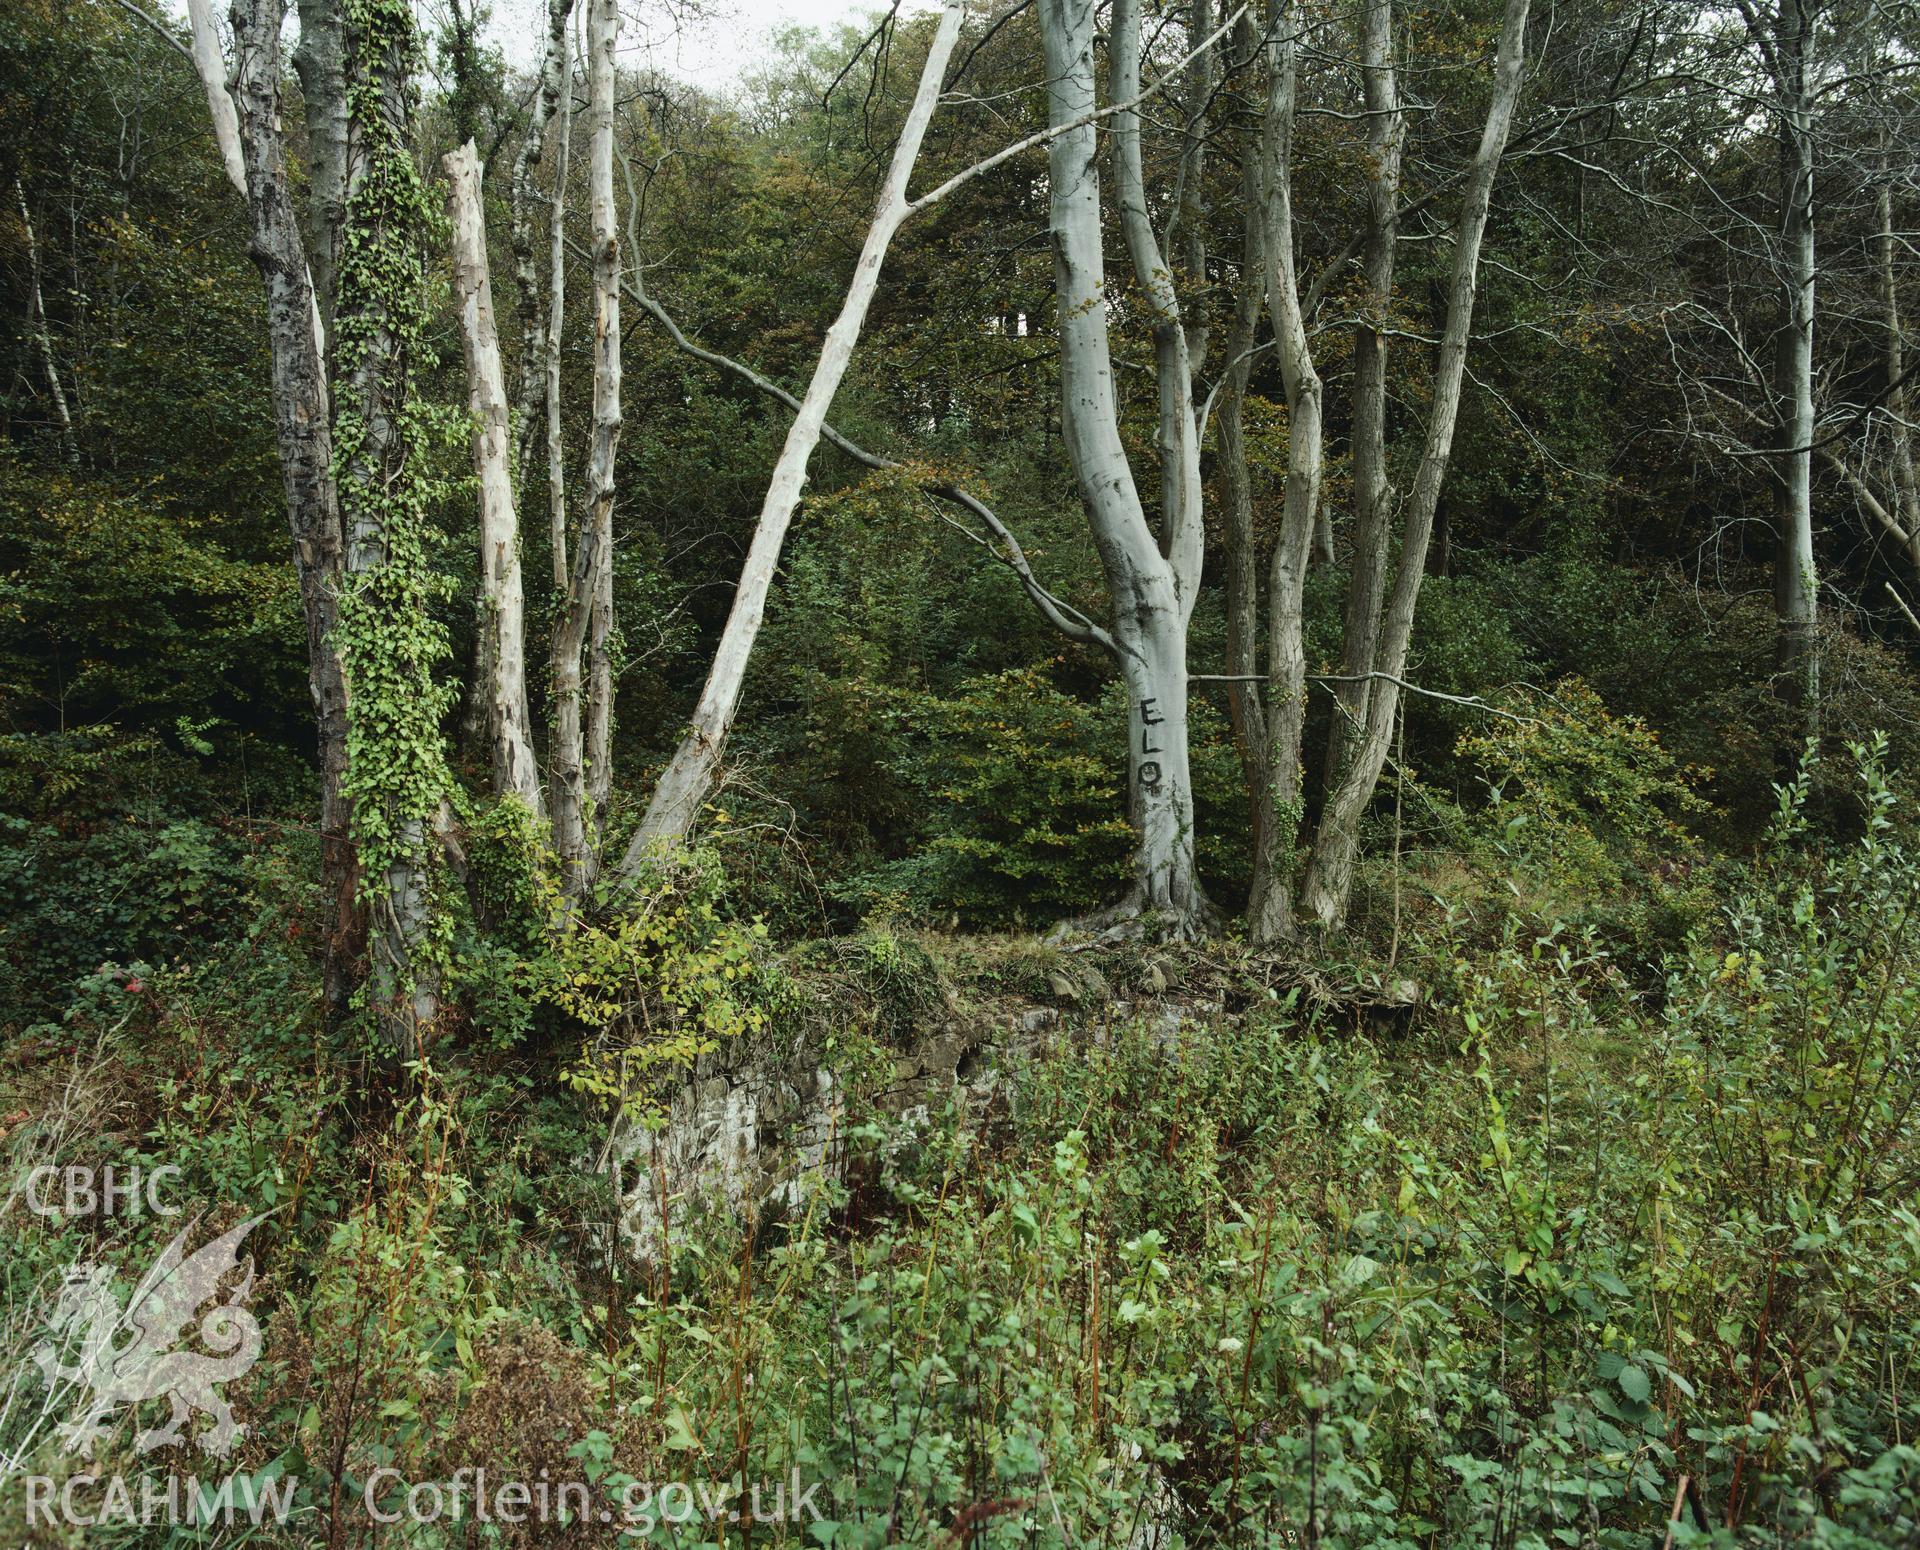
x=712 y=44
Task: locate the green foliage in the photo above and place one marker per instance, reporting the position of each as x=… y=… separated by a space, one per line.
x=1587 y=815
x=389 y=640
x=1025 y=791
x=657 y=981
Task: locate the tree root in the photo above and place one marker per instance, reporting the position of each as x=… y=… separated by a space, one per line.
x=1132 y=919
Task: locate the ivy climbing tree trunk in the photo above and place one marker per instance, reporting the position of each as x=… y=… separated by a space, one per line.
x=390 y=641
x=502 y=620
x=689 y=777
x=1328 y=885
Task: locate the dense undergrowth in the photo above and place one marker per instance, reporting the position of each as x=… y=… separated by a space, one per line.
x=1602 y=1242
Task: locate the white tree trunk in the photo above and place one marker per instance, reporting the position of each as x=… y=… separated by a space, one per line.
x=1145 y=585
x=556 y=323
x=1270 y=909
x=321 y=63
x=1372 y=493
x=1795 y=580
x=303 y=431
x=1328 y=885
x=1182 y=529
x=503 y=614
x=689 y=778
x=606 y=413
x=42 y=337
x=569 y=789
x=213 y=77
x=554 y=85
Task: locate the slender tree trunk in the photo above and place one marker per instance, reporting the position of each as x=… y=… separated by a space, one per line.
x=502 y=618
x=1145 y=585
x=1906 y=484
x=1372 y=490
x=1182 y=533
x=569 y=787
x=42 y=336
x=1270 y=909
x=689 y=778
x=303 y=431
x=1242 y=578
x=1795 y=580
x=556 y=322
x=220 y=106
x=600 y=629
x=532 y=296
x=1328 y=885
x=320 y=60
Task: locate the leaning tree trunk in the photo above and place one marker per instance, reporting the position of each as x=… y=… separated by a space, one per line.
x=1372 y=492
x=1270 y=908
x=389 y=642
x=1328 y=885
x=568 y=784
x=503 y=613
x=1146 y=585
x=42 y=336
x=1795 y=581
x=689 y=778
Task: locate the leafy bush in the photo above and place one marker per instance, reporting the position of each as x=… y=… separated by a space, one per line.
x=1587 y=816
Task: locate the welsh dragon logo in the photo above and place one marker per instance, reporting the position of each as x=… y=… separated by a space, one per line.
x=86 y=1344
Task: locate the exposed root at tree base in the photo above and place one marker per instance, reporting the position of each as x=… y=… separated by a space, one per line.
x=1132 y=919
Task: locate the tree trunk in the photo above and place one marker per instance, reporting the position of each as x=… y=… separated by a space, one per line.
x=42 y=337
x=556 y=322
x=320 y=61
x=1270 y=910
x=213 y=76
x=1328 y=886
x=689 y=778
x=1242 y=579
x=1795 y=581
x=570 y=789
x=532 y=296
x=606 y=280
x=304 y=435
x=1372 y=491
x=1182 y=533
x=502 y=617
x=1906 y=485
x=396 y=772
x=1145 y=585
